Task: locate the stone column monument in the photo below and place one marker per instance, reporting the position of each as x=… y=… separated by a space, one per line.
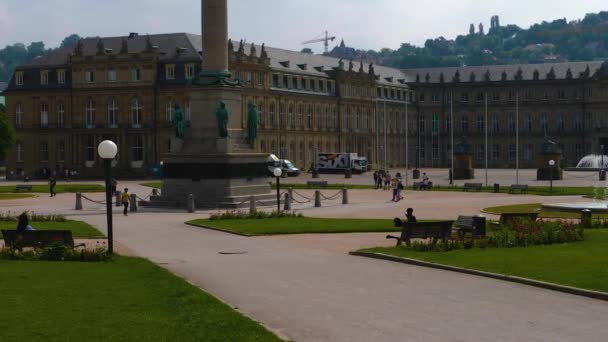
x=213 y=160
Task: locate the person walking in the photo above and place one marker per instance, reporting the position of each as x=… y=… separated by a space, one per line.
x=395 y=186
x=380 y=179
x=376 y=179
x=52 y=184
x=114 y=184
x=125 y=201
x=387 y=180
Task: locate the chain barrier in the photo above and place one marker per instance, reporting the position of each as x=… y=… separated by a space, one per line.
x=299 y=202
x=331 y=198
x=90 y=200
x=144 y=199
x=299 y=194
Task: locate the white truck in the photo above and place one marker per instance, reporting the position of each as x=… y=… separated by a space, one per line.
x=340 y=162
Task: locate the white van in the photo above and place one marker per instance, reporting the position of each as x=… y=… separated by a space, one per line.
x=286 y=166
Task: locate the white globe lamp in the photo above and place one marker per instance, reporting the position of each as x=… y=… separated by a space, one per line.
x=107 y=149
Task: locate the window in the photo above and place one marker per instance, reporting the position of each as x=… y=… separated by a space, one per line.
x=170 y=110
x=357 y=119
x=512 y=152
x=281 y=115
x=330 y=87
x=495 y=124
x=367 y=119
x=89 y=76
x=327 y=119
x=60 y=76
x=435 y=97
x=313 y=85
x=261 y=78
x=262 y=119
x=544 y=124
x=528 y=95
x=275 y=80
x=44 y=115
x=464 y=125
x=309 y=117
x=560 y=124
x=321 y=85
x=90 y=114
x=19 y=148
x=448 y=124
x=303 y=83
x=19 y=78
x=481 y=122
x=135 y=74
x=170 y=71
x=286 y=81
x=291 y=117
x=111 y=75
x=480 y=97
x=44 y=77
x=435 y=150
x=135 y=112
x=295 y=82
x=318 y=118
x=301 y=116
x=464 y=97
x=61 y=151
x=421 y=124
x=561 y=94
x=263 y=146
x=529 y=123
x=60 y=114
x=335 y=118
x=435 y=124
x=347 y=118
x=112 y=113
x=495 y=96
x=137 y=150
x=496 y=152
x=512 y=123
x=301 y=153
x=528 y=152
x=292 y=151
x=189 y=68
x=18 y=115
x=44 y=151
x=271 y=116
x=480 y=152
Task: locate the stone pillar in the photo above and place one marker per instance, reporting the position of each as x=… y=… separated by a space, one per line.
x=78 y=201
x=252 y=205
x=118 y=198
x=191 y=204
x=287 y=206
x=344 y=196
x=133 y=203
x=214 y=15
x=317 y=199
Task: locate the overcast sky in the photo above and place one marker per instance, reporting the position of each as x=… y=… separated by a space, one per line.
x=365 y=24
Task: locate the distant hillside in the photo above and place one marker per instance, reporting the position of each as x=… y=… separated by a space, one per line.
x=556 y=41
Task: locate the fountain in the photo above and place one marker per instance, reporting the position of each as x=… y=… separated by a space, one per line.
x=593 y=162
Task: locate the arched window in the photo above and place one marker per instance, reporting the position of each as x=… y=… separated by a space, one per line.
x=262 y=119
x=357 y=119
x=112 y=113
x=44 y=115
x=309 y=117
x=347 y=118
x=60 y=114
x=136 y=113
x=318 y=119
x=18 y=115
x=301 y=116
x=292 y=123
x=272 y=118
x=90 y=114
x=281 y=115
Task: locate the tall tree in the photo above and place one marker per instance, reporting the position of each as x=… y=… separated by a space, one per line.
x=70 y=40
x=481 y=31
x=472 y=29
x=7 y=136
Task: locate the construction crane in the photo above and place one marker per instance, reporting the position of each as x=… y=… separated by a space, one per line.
x=325 y=39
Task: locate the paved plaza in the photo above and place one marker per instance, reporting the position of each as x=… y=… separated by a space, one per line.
x=307 y=288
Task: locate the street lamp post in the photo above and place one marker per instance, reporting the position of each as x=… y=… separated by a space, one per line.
x=277 y=173
x=107 y=151
x=551 y=166
x=602 y=162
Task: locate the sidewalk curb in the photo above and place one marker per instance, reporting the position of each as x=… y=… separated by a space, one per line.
x=219 y=229
x=526 y=281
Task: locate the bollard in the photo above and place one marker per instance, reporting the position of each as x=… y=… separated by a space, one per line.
x=154 y=192
x=119 y=198
x=344 y=196
x=287 y=206
x=317 y=199
x=252 y=208
x=191 y=203
x=348 y=173
x=290 y=192
x=586 y=218
x=78 y=201
x=133 y=203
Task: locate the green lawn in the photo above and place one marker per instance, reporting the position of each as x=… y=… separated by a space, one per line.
x=5 y=196
x=79 y=229
x=127 y=299
x=581 y=264
x=300 y=225
x=60 y=188
x=156 y=185
x=536 y=207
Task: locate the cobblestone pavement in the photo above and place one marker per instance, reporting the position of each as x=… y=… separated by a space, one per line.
x=307 y=288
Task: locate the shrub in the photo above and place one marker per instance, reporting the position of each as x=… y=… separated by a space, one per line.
x=10 y=217
x=237 y=215
x=56 y=253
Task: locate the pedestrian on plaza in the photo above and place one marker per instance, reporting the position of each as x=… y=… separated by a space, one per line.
x=400 y=187
x=376 y=179
x=125 y=201
x=52 y=184
x=409 y=214
x=387 y=180
x=114 y=183
x=395 y=187
x=380 y=179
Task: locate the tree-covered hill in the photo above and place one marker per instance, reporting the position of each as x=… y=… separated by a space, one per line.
x=16 y=54
x=556 y=41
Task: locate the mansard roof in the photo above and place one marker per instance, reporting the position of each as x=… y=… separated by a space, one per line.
x=496 y=73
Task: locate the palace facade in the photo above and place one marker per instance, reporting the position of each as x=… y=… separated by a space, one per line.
x=125 y=89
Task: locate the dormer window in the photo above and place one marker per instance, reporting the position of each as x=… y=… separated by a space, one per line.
x=19 y=78
x=44 y=77
x=170 y=71
x=303 y=66
x=89 y=76
x=136 y=74
x=111 y=75
x=285 y=64
x=60 y=76
x=189 y=71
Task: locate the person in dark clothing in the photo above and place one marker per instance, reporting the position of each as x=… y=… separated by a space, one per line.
x=24 y=223
x=52 y=184
x=114 y=183
x=376 y=179
x=409 y=214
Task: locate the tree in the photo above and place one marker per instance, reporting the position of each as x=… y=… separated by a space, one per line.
x=7 y=136
x=307 y=50
x=35 y=49
x=481 y=31
x=472 y=29
x=70 y=40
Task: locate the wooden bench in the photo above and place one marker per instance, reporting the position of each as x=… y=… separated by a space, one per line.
x=510 y=217
x=422 y=186
x=466 y=224
x=316 y=184
x=522 y=188
x=472 y=186
x=24 y=187
x=38 y=238
x=424 y=230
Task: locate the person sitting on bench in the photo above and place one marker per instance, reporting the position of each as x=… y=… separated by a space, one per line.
x=24 y=223
x=409 y=214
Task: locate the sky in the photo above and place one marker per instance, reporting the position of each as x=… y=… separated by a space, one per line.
x=364 y=24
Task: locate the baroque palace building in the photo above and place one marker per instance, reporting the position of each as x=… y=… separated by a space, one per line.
x=125 y=89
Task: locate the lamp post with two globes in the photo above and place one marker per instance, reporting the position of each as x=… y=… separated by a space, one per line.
x=107 y=151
